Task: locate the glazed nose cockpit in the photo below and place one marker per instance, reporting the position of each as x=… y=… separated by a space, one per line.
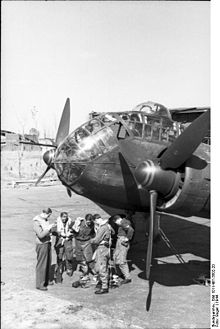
x=83 y=145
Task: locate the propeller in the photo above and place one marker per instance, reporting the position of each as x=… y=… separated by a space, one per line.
x=183 y=147
x=153 y=204
x=62 y=132
x=159 y=178
x=42 y=176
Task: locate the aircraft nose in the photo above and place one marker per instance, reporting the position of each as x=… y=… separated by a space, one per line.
x=69 y=162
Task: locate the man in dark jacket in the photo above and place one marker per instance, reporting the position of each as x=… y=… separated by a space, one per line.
x=124 y=236
x=83 y=230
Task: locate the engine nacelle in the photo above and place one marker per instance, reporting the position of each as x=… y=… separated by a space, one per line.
x=193 y=196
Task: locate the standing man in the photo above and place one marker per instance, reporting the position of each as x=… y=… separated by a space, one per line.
x=125 y=234
x=102 y=240
x=83 y=230
x=43 y=230
x=64 y=246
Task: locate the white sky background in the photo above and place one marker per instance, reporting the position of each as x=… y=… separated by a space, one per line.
x=103 y=55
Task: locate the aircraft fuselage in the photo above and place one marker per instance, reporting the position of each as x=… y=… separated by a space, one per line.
x=102 y=180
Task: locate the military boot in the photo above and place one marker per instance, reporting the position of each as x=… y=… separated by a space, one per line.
x=101 y=291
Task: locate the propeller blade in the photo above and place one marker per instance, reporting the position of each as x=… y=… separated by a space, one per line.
x=153 y=203
x=183 y=147
x=131 y=188
x=44 y=173
x=63 y=129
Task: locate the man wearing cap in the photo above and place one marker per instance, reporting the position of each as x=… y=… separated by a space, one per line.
x=102 y=241
x=43 y=230
x=124 y=236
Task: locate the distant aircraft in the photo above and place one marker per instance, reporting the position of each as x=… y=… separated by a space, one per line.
x=143 y=160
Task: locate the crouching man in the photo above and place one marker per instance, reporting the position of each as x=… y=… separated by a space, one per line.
x=124 y=236
x=102 y=242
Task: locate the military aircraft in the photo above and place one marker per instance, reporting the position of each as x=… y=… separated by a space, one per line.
x=140 y=160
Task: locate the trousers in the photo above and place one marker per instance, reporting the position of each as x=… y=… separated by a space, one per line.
x=64 y=250
x=120 y=258
x=101 y=264
x=43 y=266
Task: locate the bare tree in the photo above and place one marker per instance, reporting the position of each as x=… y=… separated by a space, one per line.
x=34 y=114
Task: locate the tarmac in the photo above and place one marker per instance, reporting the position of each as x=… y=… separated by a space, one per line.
x=170 y=299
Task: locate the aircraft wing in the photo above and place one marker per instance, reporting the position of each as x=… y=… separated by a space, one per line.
x=187 y=114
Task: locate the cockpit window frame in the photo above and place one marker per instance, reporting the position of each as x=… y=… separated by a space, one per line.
x=88 y=123
x=118 y=120
x=161 y=119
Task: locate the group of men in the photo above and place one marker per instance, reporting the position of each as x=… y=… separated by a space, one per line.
x=98 y=246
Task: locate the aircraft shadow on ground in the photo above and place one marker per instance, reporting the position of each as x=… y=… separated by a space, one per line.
x=188 y=238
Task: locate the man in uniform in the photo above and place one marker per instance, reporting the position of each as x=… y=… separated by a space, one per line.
x=83 y=230
x=124 y=236
x=43 y=230
x=64 y=246
x=102 y=241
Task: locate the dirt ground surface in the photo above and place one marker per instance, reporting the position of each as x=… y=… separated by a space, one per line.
x=171 y=299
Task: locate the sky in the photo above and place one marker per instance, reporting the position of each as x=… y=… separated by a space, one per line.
x=104 y=56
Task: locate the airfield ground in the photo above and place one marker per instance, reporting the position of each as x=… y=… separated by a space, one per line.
x=170 y=300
